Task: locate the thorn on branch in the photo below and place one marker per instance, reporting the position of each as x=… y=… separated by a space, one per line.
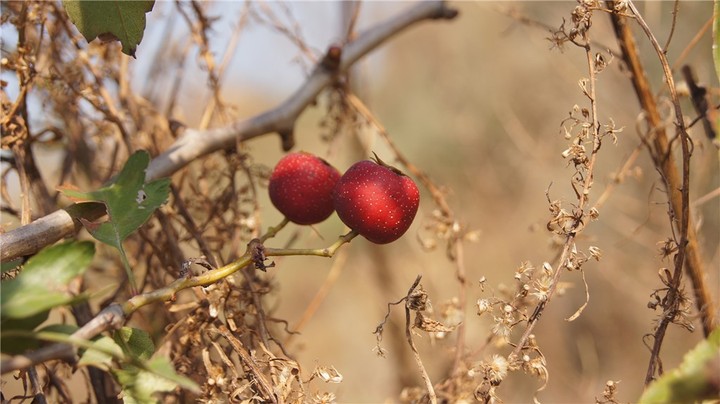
x=446 y=13
x=287 y=139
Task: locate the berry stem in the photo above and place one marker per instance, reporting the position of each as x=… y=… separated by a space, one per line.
x=272 y=231
x=320 y=252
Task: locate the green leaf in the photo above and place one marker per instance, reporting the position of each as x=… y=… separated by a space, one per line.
x=129 y=202
x=691 y=381
x=162 y=367
x=14 y=344
x=10 y=265
x=139 y=385
x=42 y=284
x=123 y=21
x=136 y=343
x=101 y=353
x=139 y=375
x=128 y=343
x=16 y=340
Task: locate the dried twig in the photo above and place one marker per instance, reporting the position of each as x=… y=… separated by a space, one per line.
x=248 y=361
x=579 y=216
x=671 y=306
x=414 y=301
x=666 y=164
x=416 y=354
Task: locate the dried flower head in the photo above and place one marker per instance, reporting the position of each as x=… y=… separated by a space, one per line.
x=526 y=269
x=497 y=369
x=483 y=306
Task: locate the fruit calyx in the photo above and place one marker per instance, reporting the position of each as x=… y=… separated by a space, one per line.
x=394 y=169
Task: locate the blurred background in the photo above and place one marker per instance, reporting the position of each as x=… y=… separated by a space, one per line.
x=477 y=104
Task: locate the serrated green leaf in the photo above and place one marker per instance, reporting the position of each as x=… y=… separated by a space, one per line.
x=691 y=381
x=129 y=201
x=43 y=281
x=135 y=342
x=110 y=19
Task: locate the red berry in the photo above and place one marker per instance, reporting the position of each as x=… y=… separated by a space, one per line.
x=376 y=200
x=301 y=187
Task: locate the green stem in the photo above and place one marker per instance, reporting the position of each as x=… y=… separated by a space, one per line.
x=210 y=277
x=271 y=232
x=320 y=252
x=170 y=290
x=128 y=270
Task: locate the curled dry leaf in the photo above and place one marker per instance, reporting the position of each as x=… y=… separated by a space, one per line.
x=429 y=325
x=328 y=374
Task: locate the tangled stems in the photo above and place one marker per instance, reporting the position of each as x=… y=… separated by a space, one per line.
x=583 y=197
x=115 y=315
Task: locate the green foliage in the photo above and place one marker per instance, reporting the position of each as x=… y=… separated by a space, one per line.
x=43 y=281
x=139 y=385
x=10 y=265
x=136 y=343
x=691 y=382
x=26 y=300
x=101 y=354
x=139 y=375
x=11 y=342
x=129 y=201
x=123 y=21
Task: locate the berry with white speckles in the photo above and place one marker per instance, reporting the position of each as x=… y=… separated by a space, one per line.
x=376 y=200
x=301 y=188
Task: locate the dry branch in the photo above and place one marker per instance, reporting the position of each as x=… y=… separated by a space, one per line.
x=195 y=143
x=665 y=162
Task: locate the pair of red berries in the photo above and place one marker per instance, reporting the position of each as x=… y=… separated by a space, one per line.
x=377 y=201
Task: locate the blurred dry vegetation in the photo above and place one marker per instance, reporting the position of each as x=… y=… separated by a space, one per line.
x=476 y=103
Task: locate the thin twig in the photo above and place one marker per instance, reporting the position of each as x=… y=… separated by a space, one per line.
x=673 y=295
x=38 y=395
x=321 y=294
x=248 y=361
x=693 y=42
x=676 y=8
x=582 y=202
x=416 y=354
x=667 y=166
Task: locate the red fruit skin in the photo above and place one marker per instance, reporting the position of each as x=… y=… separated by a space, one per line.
x=376 y=201
x=301 y=187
